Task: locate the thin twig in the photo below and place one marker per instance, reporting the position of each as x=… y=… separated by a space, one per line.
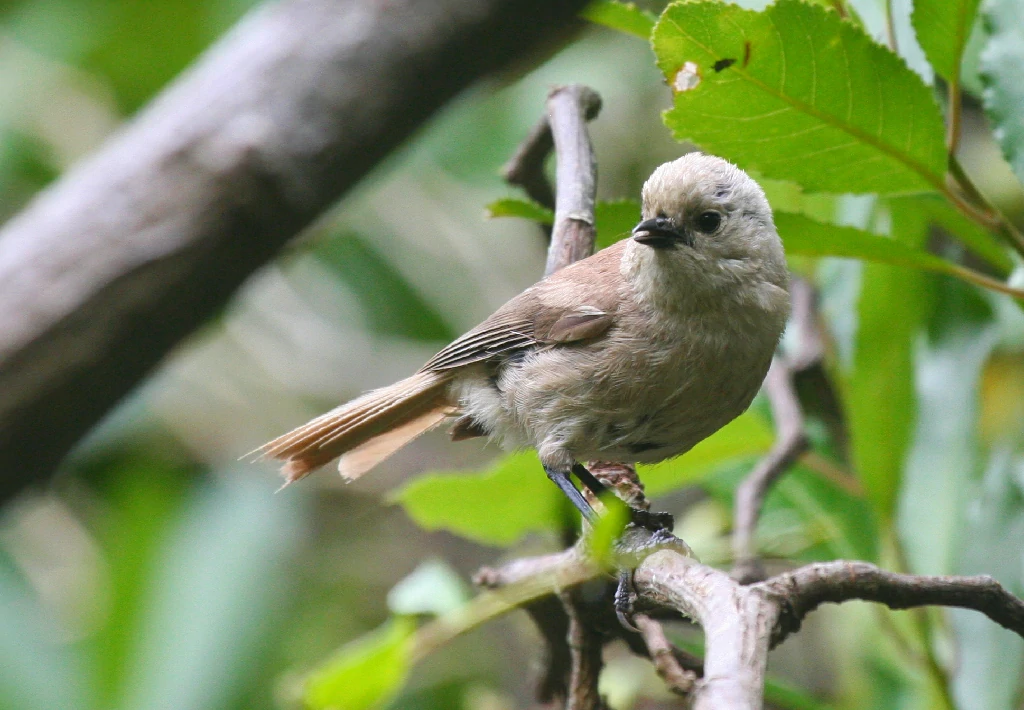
x=791 y=438
x=966 y=197
x=526 y=166
x=573 y=234
x=954 y=98
x=791 y=441
x=740 y=622
x=664 y=656
x=585 y=646
x=890 y=28
x=736 y=622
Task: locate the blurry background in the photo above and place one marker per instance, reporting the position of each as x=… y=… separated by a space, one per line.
x=160 y=572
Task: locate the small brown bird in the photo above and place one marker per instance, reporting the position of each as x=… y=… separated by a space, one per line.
x=632 y=355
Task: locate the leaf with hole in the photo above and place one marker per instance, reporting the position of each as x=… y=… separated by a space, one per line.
x=798 y=94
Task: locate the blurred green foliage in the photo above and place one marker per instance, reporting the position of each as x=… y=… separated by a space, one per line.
x=157 y=573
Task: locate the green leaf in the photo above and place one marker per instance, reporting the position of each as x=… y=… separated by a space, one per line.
x=145 y=499
x=1002 y=74
x=878 y=387
x=615 y=220
x=807 y=237
x=37 y=670
x=622 y=16
x=432 y=588
x=836 y=523
x=977 y=239
x=796 y=93
x=526 y=209
x=943 y=28
x=366 y=673
x=746 y=436
x=608 y=529
x=222 y=573
x=511 y=498
x=393 y=307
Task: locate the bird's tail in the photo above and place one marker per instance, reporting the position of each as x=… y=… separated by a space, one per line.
x=365 y=431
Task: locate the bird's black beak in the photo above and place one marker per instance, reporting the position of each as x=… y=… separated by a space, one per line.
x=660 y=233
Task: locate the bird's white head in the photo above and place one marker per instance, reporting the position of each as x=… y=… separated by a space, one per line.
x=706 y=229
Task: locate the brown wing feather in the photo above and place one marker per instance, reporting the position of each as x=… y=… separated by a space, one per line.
x=576 y=303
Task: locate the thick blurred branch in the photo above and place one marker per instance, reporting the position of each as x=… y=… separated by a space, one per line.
x=133 y=249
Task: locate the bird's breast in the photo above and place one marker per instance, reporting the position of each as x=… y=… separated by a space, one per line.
x=639 y=394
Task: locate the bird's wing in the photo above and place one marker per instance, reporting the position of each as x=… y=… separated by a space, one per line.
x=499 y=334
x=576 y=303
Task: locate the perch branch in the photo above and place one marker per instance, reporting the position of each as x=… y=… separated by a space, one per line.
x=742 y=622
x=108 y=268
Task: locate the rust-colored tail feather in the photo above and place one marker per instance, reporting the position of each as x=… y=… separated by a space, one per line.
x=366 y=430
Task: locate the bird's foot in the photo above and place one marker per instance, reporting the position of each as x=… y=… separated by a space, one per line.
x=632 y=548
x=652 y=521
x=625 y=598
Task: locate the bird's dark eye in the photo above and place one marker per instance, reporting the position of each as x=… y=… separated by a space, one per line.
x=708 y=221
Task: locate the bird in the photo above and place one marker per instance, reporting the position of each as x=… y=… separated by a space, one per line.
x=632 y=355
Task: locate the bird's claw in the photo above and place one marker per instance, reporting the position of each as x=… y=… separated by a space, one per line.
x=653 y=521
x=625 y=598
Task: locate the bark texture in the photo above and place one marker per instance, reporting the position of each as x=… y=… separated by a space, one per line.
x=110 y=267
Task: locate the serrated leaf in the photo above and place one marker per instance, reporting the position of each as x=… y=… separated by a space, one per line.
x=798 y=94
x=943 y=27
x=807 y=237
x=746 y=436
x=622 y=16
x=1002 y=74
x=496 y=507
x=364 y=674
x=525 y=209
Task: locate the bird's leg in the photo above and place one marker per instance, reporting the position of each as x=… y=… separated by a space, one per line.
x=638 y=516
x=561 y=479
x=625 y=598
